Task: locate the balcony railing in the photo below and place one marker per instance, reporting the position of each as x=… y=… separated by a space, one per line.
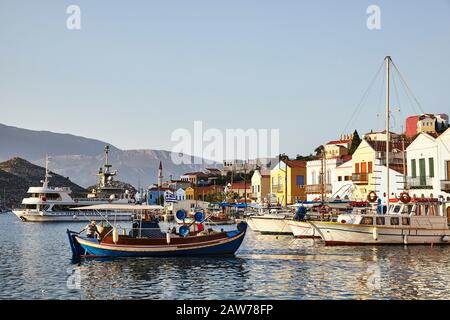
x=277 y=188
x=360 y=178
x=445 y=185
x=420 y=182
x=317 y=188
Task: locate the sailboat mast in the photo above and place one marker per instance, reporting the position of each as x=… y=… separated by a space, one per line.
x=388 y=115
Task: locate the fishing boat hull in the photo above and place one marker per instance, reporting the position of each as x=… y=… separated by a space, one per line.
x=303 y=230
x=270 y=224
x=67 y=216
x=334 y=233
x=226 y=243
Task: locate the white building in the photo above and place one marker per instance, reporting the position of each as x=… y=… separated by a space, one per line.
x=331 y=187
x=180 y=194
x=428 y=161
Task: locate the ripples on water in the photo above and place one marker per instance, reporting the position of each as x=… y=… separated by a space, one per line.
x=35 y=263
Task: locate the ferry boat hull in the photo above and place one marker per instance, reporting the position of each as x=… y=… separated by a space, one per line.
x=335 y=233
x=225 y=243
x=270 y=224
x=303 y=230
x=67 y=216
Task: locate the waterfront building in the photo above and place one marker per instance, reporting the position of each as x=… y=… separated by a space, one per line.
x=180 y=194
x=260 y=185
x=240 y=166
x=369 y=168
x=428 y=159
x=155 y=193
x=426 y=123
x=195 y=178
x=323 y=178
x=241 y=189
x=288 y=180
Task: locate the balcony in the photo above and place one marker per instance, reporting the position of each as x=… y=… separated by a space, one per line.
x=445 y=185
x=421 y=182
x=317 y=188
x=360 y=178
x=277 y=188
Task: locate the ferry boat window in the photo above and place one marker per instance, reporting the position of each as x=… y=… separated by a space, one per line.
x=405 y=221
x=397 y=209
x=395 y=221
x=380 y=221
x=367 y=220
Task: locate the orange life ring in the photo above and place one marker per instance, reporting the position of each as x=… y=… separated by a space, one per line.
x=405 y=197
x=372 y=196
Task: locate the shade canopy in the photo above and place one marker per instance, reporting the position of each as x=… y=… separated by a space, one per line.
x=120 y=207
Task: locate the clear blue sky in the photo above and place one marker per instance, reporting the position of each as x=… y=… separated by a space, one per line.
x=150 y=67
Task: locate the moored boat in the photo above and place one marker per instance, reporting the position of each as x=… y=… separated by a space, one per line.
x=418 y=221
x=146 y=238
x=275 y=222
x=55 y=204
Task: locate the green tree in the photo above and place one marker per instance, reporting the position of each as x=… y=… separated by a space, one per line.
x=355 y=143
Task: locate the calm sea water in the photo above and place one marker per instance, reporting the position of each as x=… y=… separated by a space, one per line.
x=35 y=263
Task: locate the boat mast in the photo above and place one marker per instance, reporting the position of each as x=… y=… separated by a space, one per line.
x=47 y=175
x=388 y=65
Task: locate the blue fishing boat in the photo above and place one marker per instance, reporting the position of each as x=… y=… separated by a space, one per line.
x=145 y=238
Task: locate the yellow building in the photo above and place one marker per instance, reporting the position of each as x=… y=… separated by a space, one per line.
x=189 y=193
x=261 y=186
x=200 y=193
x=295 y=181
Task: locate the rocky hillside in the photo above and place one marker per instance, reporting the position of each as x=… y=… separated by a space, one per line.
x=17 y=175
x=79 y=158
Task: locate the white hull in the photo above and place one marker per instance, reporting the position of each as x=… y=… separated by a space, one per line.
x=269 y=224
x=334 y=233
x=303 y=229
x=68 y=216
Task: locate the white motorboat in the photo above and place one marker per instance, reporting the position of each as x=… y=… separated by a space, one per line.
x=274 y=222
x=47 y=203
x=418 y=221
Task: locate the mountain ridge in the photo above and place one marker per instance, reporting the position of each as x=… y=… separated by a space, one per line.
x=80 y=158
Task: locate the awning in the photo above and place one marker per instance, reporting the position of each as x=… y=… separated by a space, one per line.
x=118 y=207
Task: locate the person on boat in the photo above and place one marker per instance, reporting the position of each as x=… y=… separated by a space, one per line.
x=91 y=229
x=200 y=227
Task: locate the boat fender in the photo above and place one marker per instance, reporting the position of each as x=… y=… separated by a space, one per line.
x=445 y=238
x=343 y=221
x=375 y=233
x=199 y=216
x=115 y=235
x=181 y=214
x=405 y=239
x=184 y=231
x=168 y=237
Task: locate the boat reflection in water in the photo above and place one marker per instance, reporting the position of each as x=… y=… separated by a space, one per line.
x=146 y=238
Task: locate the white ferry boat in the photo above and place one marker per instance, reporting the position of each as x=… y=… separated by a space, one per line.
x=47 y=203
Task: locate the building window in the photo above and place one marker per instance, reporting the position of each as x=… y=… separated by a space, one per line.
x=369 y=167
x=356 y=167
x=340 y=178
x=300 y=180
x=413 y=168
x=431 y=167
